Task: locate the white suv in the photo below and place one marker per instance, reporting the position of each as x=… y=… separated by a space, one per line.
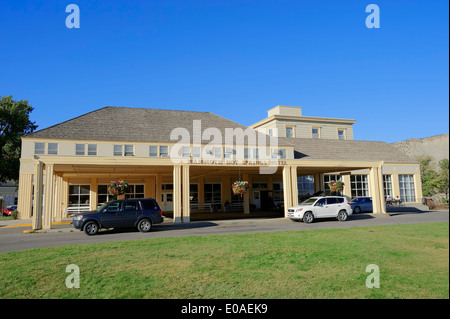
x=321 y=207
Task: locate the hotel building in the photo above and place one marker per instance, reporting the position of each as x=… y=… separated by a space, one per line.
x=186 y=161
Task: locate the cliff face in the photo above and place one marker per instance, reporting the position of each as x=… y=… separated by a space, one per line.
x=435 y=146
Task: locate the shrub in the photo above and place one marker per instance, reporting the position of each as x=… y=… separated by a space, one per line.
x=15 y=214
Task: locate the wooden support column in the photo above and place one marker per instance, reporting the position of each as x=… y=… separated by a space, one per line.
x=93 y=193
x=287 y=189
x=177 y=218
x=247 y=196
x=25 y=195
x=186 y=212
x=376 y=190
x=37 y=205
x=294 y=186
x=49 y=201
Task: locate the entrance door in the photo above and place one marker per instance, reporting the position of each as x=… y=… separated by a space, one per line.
x=257 y=199
x=167 y=202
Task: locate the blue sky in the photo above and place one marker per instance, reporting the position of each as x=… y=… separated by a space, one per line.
x=236 y=59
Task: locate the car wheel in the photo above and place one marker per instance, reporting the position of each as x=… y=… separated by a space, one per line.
x=91 y=228
x=308 y=217
x=144 y=225
x=342 y=216
x=357 y=210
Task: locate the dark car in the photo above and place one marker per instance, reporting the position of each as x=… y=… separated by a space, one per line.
x=361 y=204
x=141 y=213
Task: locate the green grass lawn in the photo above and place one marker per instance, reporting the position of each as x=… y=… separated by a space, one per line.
x=326 y=263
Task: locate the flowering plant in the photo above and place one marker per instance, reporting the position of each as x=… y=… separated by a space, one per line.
x=240 y=187
x=336 y=186
x=117 y=188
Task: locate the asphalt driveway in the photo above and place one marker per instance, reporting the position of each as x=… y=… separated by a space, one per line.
x=14 y=239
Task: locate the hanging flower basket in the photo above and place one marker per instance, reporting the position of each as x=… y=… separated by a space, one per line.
x=336 y=186
x=117 y=188
x=240 y=187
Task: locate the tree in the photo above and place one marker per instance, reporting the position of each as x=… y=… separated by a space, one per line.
x=443 y=178
x=428 y=175
x=14 y=123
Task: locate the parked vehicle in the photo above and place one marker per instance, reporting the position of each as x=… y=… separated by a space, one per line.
x=9 y=210
x=321 y=207
x=361 y=204
x=141 y=213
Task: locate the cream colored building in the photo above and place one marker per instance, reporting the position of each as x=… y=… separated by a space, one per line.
x=287 y=121
x=67 y=167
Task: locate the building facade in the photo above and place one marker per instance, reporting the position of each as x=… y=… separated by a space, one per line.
x=188 y=161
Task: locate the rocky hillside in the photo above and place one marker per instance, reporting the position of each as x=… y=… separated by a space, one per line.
x=435 y=146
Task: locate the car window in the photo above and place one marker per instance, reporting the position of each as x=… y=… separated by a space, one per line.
x=321 y=202
x=148 y=204
x=309 y=201
x=331 y=200
x=131 y=205
x=340 y=200
x=113 y=207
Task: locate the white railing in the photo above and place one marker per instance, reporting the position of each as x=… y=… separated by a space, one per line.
x=195 y=206
x=76 y=209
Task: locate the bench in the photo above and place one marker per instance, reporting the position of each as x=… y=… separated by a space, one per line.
x=233 y=206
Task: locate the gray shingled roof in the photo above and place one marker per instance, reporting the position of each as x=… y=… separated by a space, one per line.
x=135 y=125
x=155 y=125
x=347 y=150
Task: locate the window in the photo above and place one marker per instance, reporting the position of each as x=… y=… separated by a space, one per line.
x=153 y=151
x=277 y=193
x=196 y=151
x=129 y=150
x=245 y=153
x=217 y=152
x=148 y=204
x=406 y=183
x=213 y=193
x=80 y=149
x=255 y=153
x=259 y=185
x=193 y=193
x=92 y=149
x=387 y=185
x=118 y=150
x=186 y=151
x=341 y=134
x=289 y=131
x=79 y=195
x=135 y=191
x=164 y=151
x=39 y=148
x=282 y=153
x=52 y=149
x=359 y=185
x=271 y=132
x=166 y=187
x=103 y=196
x=315 y=132
x=305 y=185
x=328 y=178
x=229 y=152
x=131 y=205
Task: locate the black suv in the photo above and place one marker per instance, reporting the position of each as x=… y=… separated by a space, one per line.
x=134 y=212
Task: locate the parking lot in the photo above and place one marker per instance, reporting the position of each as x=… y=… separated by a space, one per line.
x=13 y=238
